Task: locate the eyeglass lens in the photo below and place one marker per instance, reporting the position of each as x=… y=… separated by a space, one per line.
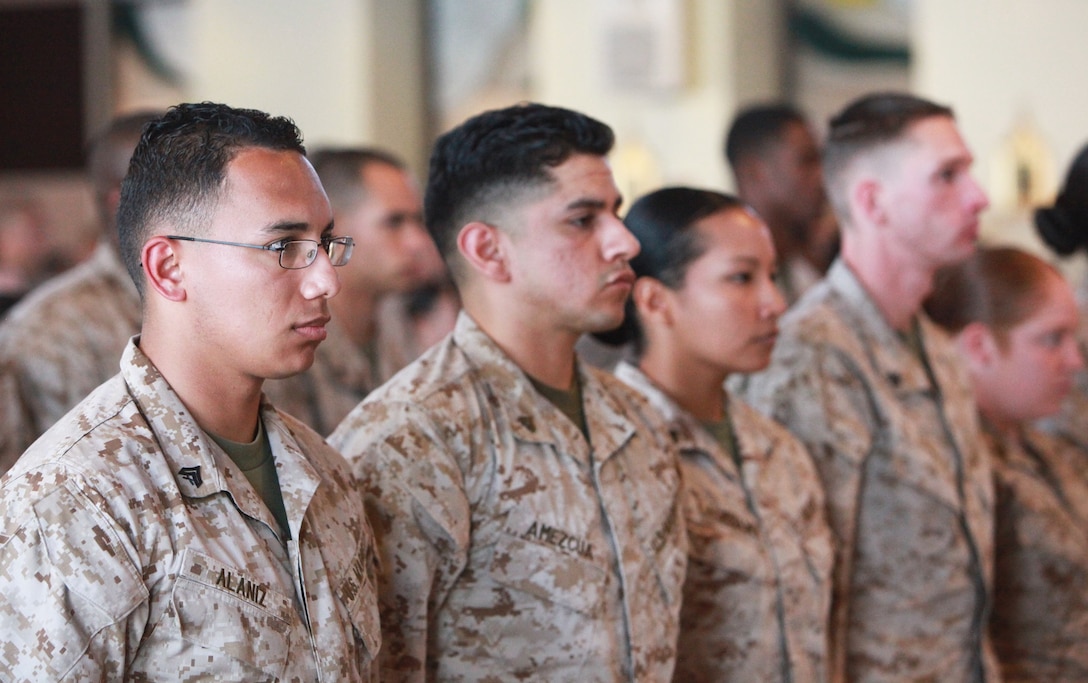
x=301 y=253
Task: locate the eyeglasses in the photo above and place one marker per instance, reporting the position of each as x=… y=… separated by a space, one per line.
x=294 y=254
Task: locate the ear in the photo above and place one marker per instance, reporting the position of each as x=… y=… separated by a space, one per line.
x=162 y=268
x=653 y=301
x=481 y=246
x=978 y=346
x=866 y=202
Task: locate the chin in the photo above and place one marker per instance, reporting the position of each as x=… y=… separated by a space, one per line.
x=603 y=323
x=1049 y=410
x=749 y=368
x=297 y=367
x=954 y=255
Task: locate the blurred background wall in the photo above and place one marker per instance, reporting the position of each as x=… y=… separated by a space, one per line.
x=666 y=74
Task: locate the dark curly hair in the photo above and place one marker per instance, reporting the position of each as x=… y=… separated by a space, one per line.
x=178 y=168
x=492 y=159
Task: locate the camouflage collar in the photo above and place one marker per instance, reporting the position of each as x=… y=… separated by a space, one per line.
x=531 y=416
x=200 y=467
x=753 y=444
x=889 y=354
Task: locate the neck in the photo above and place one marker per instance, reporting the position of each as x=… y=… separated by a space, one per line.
x=228 y=406
x=897 y=286
x=1005 y=428
x=355 y=314
x=545 y=354
x=694 y=387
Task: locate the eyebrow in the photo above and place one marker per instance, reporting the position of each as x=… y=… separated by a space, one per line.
x=287 y=226
x=746 y=260
x=294 y=227
x=599 y=205
x=959 y=158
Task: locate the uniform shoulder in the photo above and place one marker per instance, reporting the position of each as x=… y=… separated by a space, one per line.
x=90 y=434
x=99 y=462
x=428 y=377
x=429 y=395
x=72 y=304
x=56 y=295
x=817 y=316
x=748 y=419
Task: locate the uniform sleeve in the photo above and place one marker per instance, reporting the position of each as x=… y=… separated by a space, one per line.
x=16 y=431
x=38 y=387
x=415 y=498
x=71 y=599
x=822 y=397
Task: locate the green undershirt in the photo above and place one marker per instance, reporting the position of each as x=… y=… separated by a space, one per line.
x=568 y=401
x=724 y=434
x=256 y=462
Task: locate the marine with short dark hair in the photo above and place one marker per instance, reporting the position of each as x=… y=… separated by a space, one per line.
x=525 y=504
x=175 y=525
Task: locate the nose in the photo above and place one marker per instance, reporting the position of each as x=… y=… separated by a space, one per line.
x=618 y=243
x=978 y=199
x=320 y=279
x=774 y=302
x=1074 y=357
x=417 y=237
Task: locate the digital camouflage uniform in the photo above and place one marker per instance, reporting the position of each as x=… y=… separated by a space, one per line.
x=512 y=550
x=907 y=481
x=342 y=374
x=132 y=547
x=60 y=343
x=1040 y=620
x=758 y=588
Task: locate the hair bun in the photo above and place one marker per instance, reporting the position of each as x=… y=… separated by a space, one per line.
x=1058 y=229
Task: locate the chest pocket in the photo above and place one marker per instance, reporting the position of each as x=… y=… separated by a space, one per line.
x=233 y=628
x=550 y=573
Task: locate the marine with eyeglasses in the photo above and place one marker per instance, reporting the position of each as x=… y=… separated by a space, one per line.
x=175 y=525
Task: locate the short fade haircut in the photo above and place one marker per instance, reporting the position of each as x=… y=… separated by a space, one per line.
x=757 y=127
x=868 y=123
x=492 y=159
x=179 y=167
x=339 y=169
